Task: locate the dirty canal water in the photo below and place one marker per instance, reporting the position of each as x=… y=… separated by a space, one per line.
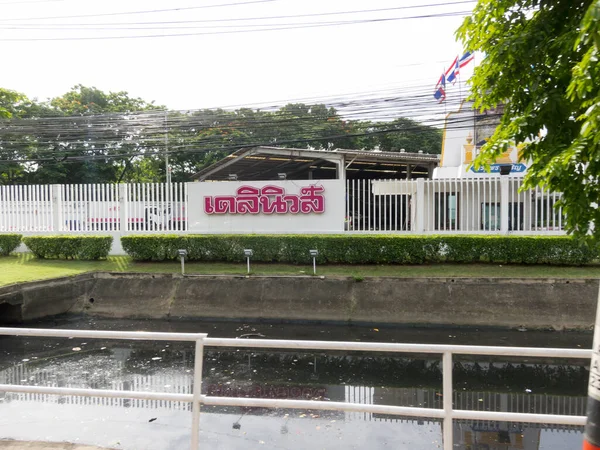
x=554 y=387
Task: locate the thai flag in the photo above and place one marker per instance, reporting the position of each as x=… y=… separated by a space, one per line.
x=452 y=71
x=440 y=89
x=464 y=60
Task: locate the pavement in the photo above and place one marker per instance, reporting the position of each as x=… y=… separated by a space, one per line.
x=36 y=445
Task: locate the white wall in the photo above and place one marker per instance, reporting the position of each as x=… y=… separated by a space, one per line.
x=330 y=221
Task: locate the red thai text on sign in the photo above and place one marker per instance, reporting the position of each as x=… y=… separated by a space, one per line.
x=267 y=200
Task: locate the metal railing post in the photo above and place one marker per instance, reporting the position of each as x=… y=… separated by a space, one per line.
x=197 y=392
x=447 y=396
x=591 y=439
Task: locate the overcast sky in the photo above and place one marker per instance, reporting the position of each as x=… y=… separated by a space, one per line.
x=220 y=66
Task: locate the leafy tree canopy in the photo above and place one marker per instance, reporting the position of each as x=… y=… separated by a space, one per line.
x=90 y=136
x=90 y=100
x=541 y=63
x=12 y=103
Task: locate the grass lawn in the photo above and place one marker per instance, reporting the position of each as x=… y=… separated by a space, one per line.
x=24 y=267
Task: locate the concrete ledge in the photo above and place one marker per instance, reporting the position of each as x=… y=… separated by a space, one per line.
x=498 y=302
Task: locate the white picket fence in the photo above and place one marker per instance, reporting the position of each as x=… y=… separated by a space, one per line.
x=480 y=205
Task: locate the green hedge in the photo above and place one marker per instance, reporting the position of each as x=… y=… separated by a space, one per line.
x=363 y=249
x=8 y=243
x=69 y=247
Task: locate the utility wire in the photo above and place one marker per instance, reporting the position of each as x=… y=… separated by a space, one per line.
x=186 y=8
x=236 y=19
x=293 y=27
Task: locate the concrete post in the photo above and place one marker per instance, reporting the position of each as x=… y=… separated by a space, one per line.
x=418 y=205
x=57 y=207
x=504 y=205
x=123 y=208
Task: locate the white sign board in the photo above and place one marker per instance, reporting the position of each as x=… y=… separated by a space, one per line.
x=304 y=206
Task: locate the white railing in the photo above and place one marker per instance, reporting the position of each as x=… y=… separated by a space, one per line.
x=447 y=413
x=155 y=206
x=473 y=205
x=88 y=207
x=452 y=205
x=26 y=208
x=75 y=208
x=378 y=205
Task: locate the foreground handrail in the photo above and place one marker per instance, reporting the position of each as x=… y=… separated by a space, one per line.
x=447 y=413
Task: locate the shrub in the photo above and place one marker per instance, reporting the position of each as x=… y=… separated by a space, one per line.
x=69 y=247
x=363 y=249
x=8 y=243
x=153 y=247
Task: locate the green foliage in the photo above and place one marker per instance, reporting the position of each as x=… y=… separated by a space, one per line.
x=154 y=247
x=366 y=249
x=83 y=136
x=541 y=66
x=8 y=243
x=69 y=247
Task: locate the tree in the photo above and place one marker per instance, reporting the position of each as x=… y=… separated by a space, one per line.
x=410 y=136
x=12 y=105
x=89 y=136
x=541 y=63
x=76 y=136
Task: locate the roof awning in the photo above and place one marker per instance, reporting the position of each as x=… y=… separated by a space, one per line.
x=271 y=163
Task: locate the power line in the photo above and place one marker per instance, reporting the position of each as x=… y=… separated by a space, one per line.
x=363 y=11
x=20 y=2
x=185 y=148
x=313 y=25
x=186 y=8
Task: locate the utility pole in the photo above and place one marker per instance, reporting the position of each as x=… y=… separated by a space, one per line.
x=167 y=168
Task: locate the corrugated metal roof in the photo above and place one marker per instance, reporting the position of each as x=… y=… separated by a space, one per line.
x=237 y=162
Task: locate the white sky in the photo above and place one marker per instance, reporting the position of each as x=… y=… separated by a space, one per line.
x=226 y=69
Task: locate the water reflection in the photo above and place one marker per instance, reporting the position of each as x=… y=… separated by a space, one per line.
x=334 y=377
x=515 y=386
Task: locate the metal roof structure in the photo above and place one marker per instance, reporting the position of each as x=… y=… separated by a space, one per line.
x=271 y=163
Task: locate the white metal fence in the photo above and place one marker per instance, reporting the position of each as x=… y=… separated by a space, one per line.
x=447 y=413
x=156 y=206
x=473 y=205
x=379 y=205
x=94 y=207
x=477 y=205
x=26 y=208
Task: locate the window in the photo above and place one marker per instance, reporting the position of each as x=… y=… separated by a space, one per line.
x=490 y=216
x=447 y=211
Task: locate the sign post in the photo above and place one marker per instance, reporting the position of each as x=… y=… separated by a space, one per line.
x=591 y=440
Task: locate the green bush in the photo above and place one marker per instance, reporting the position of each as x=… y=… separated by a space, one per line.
x=363 y=249
x=8 y=243
x=69 y=247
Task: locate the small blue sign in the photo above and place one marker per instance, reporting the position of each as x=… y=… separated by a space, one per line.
x=495 y=168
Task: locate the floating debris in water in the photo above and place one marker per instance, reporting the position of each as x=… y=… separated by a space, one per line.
x=76 y=349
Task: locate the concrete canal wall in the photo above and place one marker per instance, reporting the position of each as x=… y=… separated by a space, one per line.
x=532 y=303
